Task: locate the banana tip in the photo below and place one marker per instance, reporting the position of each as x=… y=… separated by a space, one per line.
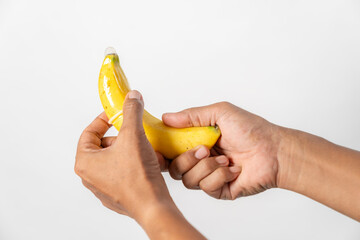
x=110 y=51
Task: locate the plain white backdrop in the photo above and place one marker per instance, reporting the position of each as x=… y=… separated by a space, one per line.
x=296 y=63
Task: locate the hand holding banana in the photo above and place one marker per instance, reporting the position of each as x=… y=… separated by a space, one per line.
x=170 y=142
x=251 y=156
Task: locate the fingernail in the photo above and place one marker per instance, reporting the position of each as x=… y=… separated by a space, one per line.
x=221 y=160
x=201 y=152
x=235 y=169
x=134 y=95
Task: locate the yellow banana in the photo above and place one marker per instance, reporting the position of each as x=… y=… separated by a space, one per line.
x=170 y=142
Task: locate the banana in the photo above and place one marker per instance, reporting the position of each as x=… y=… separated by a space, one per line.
x=170 y=142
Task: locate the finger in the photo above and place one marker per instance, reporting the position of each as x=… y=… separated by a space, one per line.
x=186 y=161
x=216 y=180
x=205 y=167
x=107 y=141
x=195 y=117
x=164 y=163
x=133 y=109
x=91 y=136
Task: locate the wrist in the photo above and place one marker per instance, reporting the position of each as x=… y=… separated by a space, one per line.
x=147 y=205
x=165 y=221
x=153 y=210
x=289 y=154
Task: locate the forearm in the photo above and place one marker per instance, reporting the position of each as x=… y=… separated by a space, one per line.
x=167 y=222
x=321 y=170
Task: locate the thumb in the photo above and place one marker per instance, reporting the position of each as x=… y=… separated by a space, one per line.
x=194 y=117
x=133 y=110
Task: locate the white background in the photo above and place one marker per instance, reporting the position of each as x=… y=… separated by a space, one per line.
x=296 y=63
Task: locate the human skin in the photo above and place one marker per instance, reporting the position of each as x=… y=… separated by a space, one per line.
x=124 y=173
x=269 y=156
x=252 y=155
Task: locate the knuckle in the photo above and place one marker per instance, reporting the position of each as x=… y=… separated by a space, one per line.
x=188 y=183
x=131 y=104
x=189 y=161
x=125 y=130
x=222 y=172
x=79 y=169
x=209 y=165
x=189 y=117
x=129 y=131
x=76 y=169
x=193 y=119
x=225 y=103
x=204 y=186
x=184 y=163
x=174 y=172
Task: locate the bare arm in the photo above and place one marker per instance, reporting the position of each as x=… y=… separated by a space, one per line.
x=266 y=156
x=321 y=170
x=168 y=223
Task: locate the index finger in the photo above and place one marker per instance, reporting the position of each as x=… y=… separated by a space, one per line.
x=186 y=161
x=92 y=135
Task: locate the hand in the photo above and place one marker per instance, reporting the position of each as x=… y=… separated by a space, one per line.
x=248 y=144
x=123 y=172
